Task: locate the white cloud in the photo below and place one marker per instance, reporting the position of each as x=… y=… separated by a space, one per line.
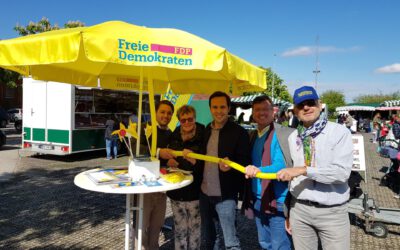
x=300 y=51
x=311 y=50
x=389 y=69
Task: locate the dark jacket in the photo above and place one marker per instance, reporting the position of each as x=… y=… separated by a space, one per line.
x=163 y=137
x=191 y=192
x=111 y=125
x=233 y=143
x=396 y=130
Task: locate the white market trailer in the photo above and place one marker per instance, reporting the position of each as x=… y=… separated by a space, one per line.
x=63 y=119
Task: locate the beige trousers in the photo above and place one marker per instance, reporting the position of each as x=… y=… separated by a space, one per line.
x=330 y=225
x=154 y=207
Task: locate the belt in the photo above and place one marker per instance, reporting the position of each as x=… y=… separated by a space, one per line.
x=316 y=204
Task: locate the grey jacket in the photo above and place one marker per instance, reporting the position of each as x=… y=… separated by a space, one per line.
x=283 y=133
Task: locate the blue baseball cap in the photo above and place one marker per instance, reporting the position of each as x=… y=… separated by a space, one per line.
x=304 y=93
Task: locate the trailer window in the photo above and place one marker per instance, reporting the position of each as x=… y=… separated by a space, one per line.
x=94 y=106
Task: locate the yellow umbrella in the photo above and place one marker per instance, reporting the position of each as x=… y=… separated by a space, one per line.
x=118 y=55
x=103 y=55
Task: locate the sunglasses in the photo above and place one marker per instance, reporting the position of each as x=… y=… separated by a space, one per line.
x=309 y=103
x=182 y=121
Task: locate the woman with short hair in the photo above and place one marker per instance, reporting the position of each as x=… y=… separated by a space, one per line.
x=185 y=201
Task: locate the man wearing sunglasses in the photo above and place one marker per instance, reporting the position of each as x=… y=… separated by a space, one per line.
x=322 y=155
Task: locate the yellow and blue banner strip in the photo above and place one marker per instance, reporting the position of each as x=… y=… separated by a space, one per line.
x=178 y=101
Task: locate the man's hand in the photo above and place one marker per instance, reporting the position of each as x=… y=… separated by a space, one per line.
x=251 y=171
x=172 y=163
x=287 y=174
x=189 y=159
x=222 y=166
x=166 y=154
x=287 y=226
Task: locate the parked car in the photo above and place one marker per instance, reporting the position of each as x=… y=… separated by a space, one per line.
x=18 y=125
x=3 y=138
x=14 y=114
x=3 y=118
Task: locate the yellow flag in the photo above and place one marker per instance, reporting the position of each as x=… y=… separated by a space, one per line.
x=121 y=132
x=132 y=128
x=147 y=131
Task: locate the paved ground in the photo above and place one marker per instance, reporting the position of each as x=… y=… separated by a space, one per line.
x=9 y=153
x=41 y=208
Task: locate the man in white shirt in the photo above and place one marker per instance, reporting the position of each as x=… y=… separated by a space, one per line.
x=322 y=155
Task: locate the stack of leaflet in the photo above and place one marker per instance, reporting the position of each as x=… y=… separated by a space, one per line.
x=108 y=176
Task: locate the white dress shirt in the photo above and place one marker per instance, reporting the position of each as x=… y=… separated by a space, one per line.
x=326 y=180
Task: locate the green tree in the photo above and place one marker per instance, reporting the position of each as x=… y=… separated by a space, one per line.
x=8 y=77
x=377 y=98
x=44 y=25
x=11 y=78
x=279 y=88
x=276 y=84
x=333 y=99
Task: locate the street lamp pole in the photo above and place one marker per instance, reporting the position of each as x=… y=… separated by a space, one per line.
x=317 y=71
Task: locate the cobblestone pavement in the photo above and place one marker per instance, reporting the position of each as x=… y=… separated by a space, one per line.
x=41 y=208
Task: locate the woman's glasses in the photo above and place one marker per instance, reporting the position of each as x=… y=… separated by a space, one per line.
x=190 y=119
x=309 y=103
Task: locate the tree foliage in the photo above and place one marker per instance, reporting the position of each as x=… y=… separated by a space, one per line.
x=276 y=83
x=377 y=98
x=44 y=25
x=11 y=78
x=333 y=99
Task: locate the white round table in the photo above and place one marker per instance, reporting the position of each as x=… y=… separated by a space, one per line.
x=81 y=180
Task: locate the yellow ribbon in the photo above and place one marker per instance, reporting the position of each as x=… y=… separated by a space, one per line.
x=231 y=164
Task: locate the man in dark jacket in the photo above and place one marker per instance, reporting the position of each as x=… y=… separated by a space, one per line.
x=155 y=203
x=221 y=185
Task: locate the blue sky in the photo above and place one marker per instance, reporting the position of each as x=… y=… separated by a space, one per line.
x=359 y=40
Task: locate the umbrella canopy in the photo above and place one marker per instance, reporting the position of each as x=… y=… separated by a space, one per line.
x=113 y=54
x=118 y=55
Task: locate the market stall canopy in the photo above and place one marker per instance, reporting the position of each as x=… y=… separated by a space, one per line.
x=390 y=105
x=248 y=100
x=115 y=54
x=355 y=108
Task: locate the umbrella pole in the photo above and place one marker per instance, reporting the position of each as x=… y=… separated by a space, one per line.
x=153 y=116
x=139 y=112
x=139 y=203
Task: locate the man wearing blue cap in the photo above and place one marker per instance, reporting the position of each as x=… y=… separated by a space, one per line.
x=322 y=155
